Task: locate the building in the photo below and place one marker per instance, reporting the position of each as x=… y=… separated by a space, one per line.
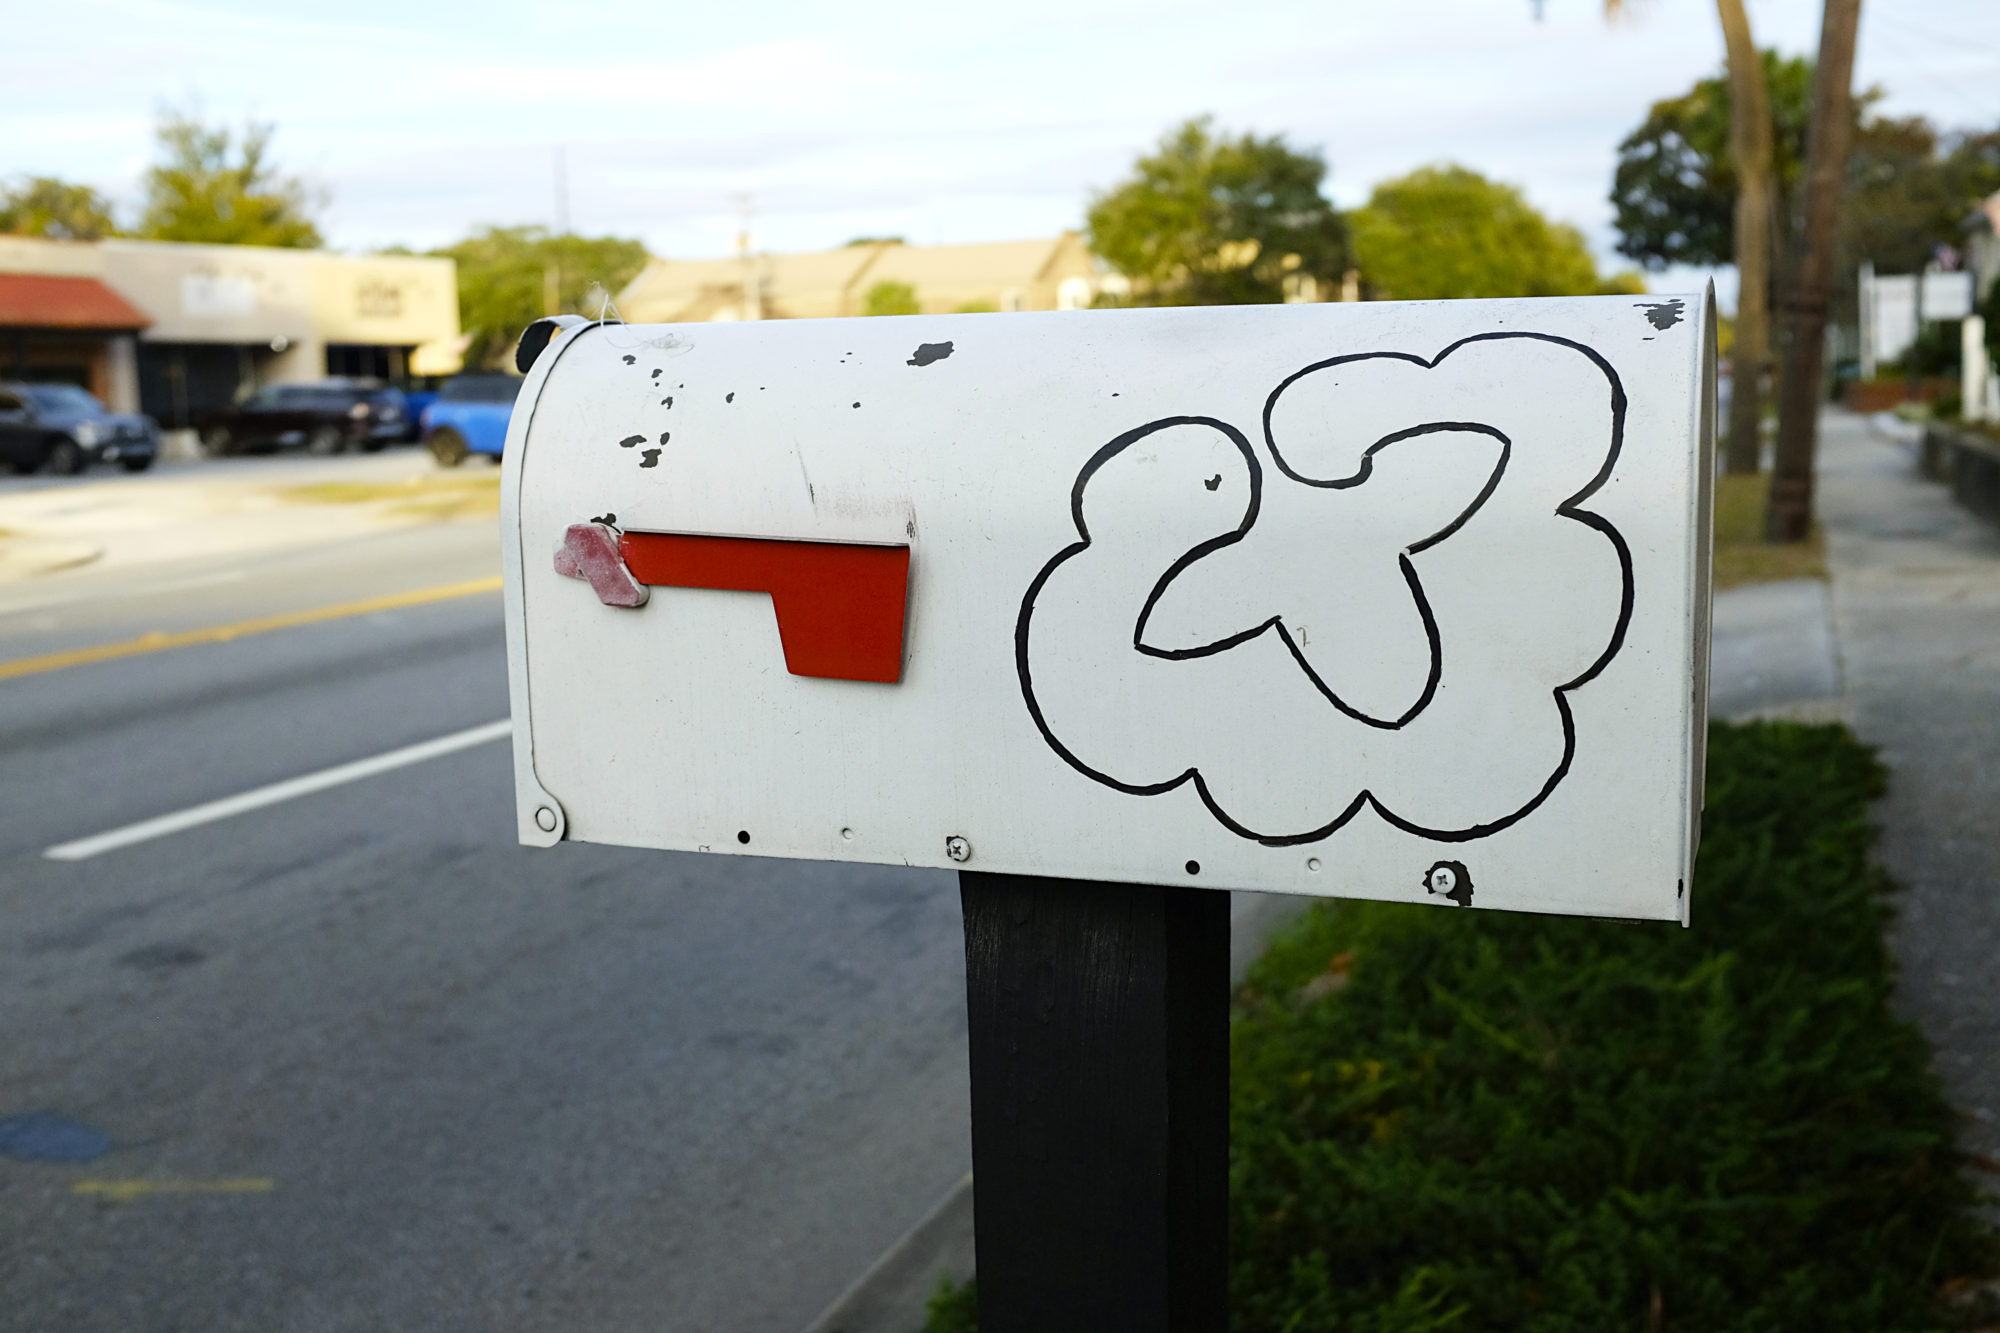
x=173 y=329
x=1057 y=273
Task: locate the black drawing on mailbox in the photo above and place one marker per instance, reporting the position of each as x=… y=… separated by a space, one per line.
x=1395 y=622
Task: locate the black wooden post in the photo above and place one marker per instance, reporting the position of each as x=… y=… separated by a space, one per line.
x=1100 y=1104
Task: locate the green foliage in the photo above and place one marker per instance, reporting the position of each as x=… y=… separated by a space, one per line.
x=1445 y=231
x=1934 y=352
x=1909 y=189
x=1211 y=219
x=46 y=206
x=504 y=276
x=1486 y=1122
x=874 y=240
x=1989 y=310
x=1675 y=185
x=891 y=298
x=217 y=187
x=953 y=1308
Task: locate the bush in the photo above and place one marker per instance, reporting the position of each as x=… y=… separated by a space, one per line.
x=891 y=298
x=1483 y=1121
x=1488 y=1121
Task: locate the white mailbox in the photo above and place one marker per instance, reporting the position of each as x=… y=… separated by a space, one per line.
x=1399 y=601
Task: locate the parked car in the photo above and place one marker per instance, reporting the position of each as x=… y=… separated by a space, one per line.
x=470 y=417
x=326 y=416
x=415 y=403
x=61 y=429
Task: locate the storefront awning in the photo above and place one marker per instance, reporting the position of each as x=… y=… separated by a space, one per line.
x=38 y=301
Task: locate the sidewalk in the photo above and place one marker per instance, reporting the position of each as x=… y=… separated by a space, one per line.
x=1916 y=632
x=104 y=525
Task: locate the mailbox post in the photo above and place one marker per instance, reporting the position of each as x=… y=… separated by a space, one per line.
x=1099 y=1026
x=1108 y=612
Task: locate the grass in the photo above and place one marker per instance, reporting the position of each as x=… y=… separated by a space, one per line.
x=1741 y=553
x=1472 y=1121
x=435 y=497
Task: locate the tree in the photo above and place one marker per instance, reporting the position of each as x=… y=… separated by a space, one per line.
x=1909 y=189
x=1675 y=185
x=1215 y=219
x=1908 y=185
x=1750 y=144
x=891 y=298
x=218 y=187
x=1446 y=231
x=1789 y=510
x=1681 y=198
x=45 y=206
x=505 y=275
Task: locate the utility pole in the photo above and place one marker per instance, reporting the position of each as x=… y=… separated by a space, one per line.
x=1750 y=146
x=1789 y=516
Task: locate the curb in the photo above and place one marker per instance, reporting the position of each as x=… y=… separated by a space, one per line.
x=891 y=1295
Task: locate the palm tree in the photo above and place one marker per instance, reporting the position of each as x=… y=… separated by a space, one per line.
x=1789 y=515
x=1750 y=146
x=1750 y=149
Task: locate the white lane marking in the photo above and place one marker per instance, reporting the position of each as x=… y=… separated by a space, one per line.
x=257 y=798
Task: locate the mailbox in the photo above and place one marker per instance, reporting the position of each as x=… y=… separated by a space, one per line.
x=1378 y=600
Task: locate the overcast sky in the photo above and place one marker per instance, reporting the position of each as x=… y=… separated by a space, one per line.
x=938 y=122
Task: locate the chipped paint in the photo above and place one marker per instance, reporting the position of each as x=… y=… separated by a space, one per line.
x=1662 y=315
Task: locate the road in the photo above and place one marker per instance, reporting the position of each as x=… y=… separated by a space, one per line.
x=364 y=1063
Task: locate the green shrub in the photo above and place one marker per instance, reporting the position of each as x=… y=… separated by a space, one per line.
x=1489 y=1121
x=891 y=298
x=1446 y=1120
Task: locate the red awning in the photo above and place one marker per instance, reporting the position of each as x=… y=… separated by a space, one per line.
x=36 y=301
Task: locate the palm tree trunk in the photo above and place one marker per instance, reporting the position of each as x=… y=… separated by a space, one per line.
x=1789 y=517
x=1750 y=146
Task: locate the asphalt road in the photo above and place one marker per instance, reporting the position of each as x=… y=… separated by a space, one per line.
x=364 y=1063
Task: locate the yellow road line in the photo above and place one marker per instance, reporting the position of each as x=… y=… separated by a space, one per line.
x=124 y=1191
x=156 y=641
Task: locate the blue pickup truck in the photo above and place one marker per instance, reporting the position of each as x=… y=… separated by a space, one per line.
x=469 y=416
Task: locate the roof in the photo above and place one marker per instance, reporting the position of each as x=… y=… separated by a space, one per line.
x=836 y=282
x=39 y=301
x=814 y=283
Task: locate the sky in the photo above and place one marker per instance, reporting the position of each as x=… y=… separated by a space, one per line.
x=934 y=122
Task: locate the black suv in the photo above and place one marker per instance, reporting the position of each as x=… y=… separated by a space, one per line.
x=326 y=416
x=61 y=429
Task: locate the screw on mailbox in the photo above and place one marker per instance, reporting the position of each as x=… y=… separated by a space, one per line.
x=957 y=848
